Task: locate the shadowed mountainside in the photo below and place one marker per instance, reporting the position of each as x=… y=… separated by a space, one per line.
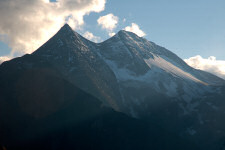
x=73 y=93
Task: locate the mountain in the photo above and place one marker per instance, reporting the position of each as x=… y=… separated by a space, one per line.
x=44 y=111
x=138 y=63
x=78 y=61
x=148 y=86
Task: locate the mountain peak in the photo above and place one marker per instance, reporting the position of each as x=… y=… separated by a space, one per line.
x=66 y=27
x=65 y=37
x=66 y=30
x=123 y=32
x=127 y=33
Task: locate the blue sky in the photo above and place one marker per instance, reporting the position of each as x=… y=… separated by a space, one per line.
x=186 y=27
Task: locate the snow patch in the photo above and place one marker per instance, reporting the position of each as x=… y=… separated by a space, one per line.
x=170 y=68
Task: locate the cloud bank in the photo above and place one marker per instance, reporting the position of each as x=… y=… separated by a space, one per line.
x=27 y=24
x=210 y=64
x=135 y=29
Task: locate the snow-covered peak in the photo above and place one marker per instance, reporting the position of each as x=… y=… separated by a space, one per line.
x=144 y=49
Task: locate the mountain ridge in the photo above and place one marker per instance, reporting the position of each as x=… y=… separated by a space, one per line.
x=127 y=73
x=67 y=28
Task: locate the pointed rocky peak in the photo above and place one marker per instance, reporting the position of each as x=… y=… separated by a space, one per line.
x=66 y=30
x=66 y=27
x=128 y=36
x=63 y=40
x=123 y=36
x=124 y=32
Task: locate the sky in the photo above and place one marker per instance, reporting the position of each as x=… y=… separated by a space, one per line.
x=192 y=29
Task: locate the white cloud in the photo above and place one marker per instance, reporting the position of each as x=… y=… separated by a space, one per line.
x=108 y=22
x=4 y=58
x=112 y=34
x=91 y=37
x=210 y=64
x=29 y=23
x=135 y=29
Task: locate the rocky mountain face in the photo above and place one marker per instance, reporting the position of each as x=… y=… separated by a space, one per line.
x=135 y=77
x=40 y=110
x=78 y=61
